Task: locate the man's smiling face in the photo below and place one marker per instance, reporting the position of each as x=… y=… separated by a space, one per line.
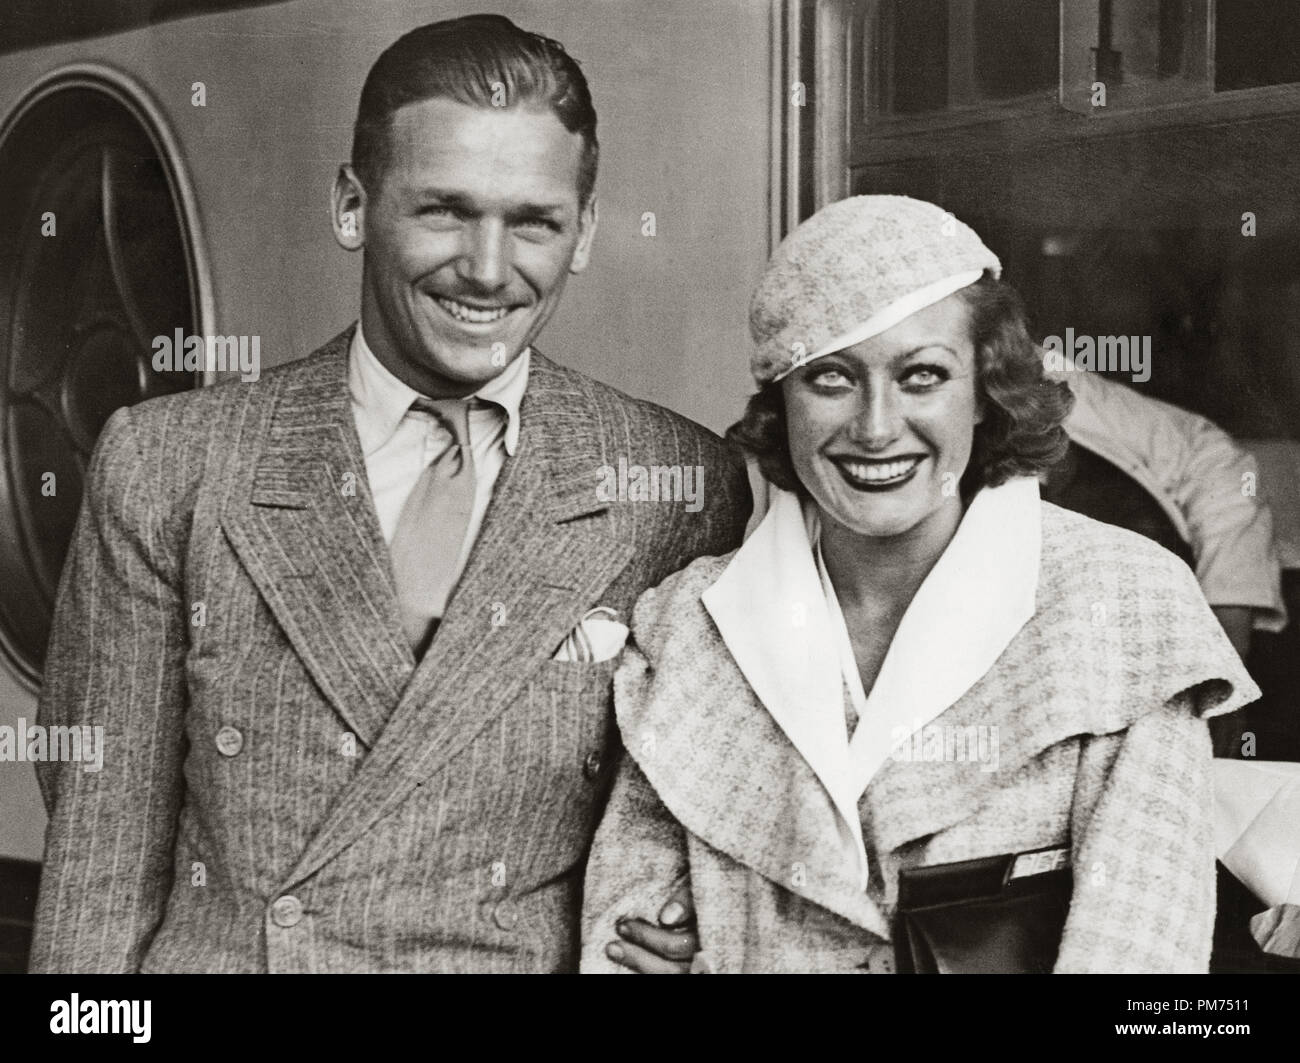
x=469 y=237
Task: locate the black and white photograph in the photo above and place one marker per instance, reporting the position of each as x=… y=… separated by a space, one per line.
x=662 y=487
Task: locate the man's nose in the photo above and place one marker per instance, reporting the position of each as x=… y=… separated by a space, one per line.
x=484 y=254
x=879 y=419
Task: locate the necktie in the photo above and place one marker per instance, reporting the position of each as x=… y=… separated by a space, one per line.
x=432 y=526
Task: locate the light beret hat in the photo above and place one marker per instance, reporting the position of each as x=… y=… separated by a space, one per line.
x=853 y=270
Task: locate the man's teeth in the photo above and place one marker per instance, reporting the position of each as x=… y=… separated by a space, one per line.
x=461 y=312
x=882 y=471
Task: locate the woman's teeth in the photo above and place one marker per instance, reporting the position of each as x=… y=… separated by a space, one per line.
x=469 y=314
x=879 y=472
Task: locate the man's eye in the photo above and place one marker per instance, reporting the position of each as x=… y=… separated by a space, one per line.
x=536 y=226
x=438 y=210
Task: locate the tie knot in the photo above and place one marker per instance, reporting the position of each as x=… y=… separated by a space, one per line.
x=452 y=414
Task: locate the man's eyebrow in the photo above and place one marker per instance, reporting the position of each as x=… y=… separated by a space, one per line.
x=451 y=198
x=447 y=197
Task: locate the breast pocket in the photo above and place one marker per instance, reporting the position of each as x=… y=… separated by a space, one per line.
x=577 y=700
x=570 y=717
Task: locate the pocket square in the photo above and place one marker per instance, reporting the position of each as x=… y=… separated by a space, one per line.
x=599 y=637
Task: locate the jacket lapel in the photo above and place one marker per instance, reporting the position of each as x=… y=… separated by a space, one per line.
x=972 y=604
x=768 y=606
x=728 y=771
x=308 y=536
x=534 y=570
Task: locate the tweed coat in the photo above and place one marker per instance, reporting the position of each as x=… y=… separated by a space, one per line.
x=1103 y=749
x=283 y=787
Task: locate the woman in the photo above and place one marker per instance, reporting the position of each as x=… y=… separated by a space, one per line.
x=912 y=660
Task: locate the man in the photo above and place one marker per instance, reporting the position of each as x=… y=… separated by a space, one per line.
x=1203 y=482
x=351 y=630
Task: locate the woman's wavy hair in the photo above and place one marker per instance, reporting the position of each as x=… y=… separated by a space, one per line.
x=1021 y=433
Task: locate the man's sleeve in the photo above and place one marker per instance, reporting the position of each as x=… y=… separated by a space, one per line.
x=638 y=858
x=116 y=666
x=1194 y=467
x=1230 y=528
x=730 y=500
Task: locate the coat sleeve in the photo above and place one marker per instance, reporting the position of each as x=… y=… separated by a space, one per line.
x=116 y=662
x=638 y=858
x=1143 y=848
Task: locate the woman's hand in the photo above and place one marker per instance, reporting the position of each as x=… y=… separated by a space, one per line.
x=668 y=948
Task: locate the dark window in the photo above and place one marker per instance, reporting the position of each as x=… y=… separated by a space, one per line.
x=1016 y=48
x=78 y=312
x=1257 y=42
x=912 y=49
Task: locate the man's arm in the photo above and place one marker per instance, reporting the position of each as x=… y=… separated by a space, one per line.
x=638 y=863
x=1192 y=465
x=115 y=665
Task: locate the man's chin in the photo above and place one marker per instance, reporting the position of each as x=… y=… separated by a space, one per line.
x=470 y=367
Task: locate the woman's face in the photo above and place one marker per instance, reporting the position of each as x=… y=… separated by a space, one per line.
x=881 y=432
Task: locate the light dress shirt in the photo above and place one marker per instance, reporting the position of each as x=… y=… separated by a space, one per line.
x=1196 y=472
x=399 y=443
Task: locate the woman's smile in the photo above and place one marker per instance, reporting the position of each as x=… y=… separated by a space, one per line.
x=878 y=474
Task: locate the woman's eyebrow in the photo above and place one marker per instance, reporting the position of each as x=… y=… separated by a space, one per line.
x=935 y=345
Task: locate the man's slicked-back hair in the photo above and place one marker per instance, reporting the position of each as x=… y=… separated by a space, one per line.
x=480 y=60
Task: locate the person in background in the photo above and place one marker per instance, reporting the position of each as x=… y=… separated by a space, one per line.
x=1203 y=482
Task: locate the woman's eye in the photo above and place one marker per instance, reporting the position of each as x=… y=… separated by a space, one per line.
x=830 y=378
x=924 y=376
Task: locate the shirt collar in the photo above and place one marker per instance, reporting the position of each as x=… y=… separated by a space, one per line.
x=380 y=400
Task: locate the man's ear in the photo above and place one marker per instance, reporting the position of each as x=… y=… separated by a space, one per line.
x=587 y=219
x=348 y=209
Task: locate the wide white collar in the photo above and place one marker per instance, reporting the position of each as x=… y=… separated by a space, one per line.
x=787 y=635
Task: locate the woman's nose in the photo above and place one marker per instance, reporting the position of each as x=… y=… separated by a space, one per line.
x=879 y=420
x=484 y=255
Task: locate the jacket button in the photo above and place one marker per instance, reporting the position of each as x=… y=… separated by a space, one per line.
x=286 y=912
x=591 y=766
x=229 y=741
x=506 y=915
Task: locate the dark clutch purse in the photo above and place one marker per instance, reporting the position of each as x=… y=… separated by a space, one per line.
x=994 y=915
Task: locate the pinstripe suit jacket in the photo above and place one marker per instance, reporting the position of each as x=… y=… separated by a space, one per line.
x=283 y=788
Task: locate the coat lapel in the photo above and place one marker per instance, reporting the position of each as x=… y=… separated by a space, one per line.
x=768 y=606
x=309 y=538
x=972 y=604
x=534 y=570
x=727 y=769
